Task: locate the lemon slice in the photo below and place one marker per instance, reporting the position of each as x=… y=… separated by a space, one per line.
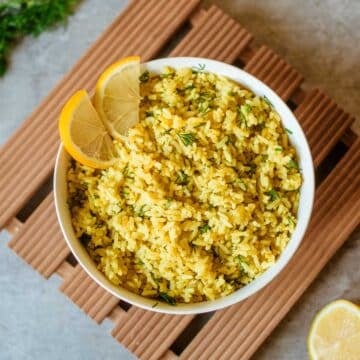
x=84 y=135
x=335 y=332
x=117 y=96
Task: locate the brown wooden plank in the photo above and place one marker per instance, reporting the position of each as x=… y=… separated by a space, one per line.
x=237 y=332
x=23 y=171
x=88 y=295
x=169 y=355
x=274 y=71
x=39 y=241
x=323 y=122
x=215 y=36
x=13 y=226
x=147 y=334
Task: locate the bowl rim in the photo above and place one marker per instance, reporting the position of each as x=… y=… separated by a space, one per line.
x=256 y=285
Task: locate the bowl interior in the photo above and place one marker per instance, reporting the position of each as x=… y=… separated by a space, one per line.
x=297 y=139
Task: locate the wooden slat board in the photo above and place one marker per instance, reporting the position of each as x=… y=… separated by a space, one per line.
x=145 y=28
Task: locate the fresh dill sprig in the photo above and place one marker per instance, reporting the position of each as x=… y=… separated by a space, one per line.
x=19 y=18
x=292 y=164
x=167 y=298
x=273 y=195
x=204 y=228
x=144 y=77
x=182 y=178
x=187 y=138
x=198 y=68
x=266 y=99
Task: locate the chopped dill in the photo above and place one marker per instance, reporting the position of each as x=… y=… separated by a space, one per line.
x=292 y=164
x=182 y=178
x=266 y=99
x=187 y=138
x=273 y=195
x=167 y=298
x=144 y=77
x=198 y=68
x=204 y=228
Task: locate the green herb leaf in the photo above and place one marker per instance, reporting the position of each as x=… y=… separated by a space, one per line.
x=292 y=164
x=149 y=113
x=168 y=203
x=247 y=108
x=19 y=18
x=187 y=138
x=85 y=239
x=291 y=221
x=165 y=75
x=288 y=131
x=167 y=298
x=242 y=261
x=242 y=116
x=182 y=178
x=198 y=68
x=264 y=157
x=278 y=149
x=204 y=228
x=266 y=99
x=142 y=211
x=144 y=77
x=273 y=195
x=189 y=87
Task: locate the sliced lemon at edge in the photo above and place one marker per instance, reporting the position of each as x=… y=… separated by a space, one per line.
x=83 y=133
x=335 y=332
x=117 y=96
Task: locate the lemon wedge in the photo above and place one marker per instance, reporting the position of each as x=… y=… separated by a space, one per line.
x=83 y=133
x=335 y=332
x=117 y=96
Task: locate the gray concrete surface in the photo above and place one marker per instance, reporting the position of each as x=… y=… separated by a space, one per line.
x=320 y=38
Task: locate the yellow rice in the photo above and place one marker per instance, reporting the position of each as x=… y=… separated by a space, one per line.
x=203 y=198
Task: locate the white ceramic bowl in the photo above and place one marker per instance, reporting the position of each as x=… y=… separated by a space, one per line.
x=298 y=140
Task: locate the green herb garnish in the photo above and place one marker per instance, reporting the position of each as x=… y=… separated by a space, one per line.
x=142 y=211
x=85 y=239
x=187 y=138
x=198 y=68
x=144 y=77
x=168 y=203
x=291 y=221
x=182 y=178
x=204 y=228
x=19 y=18
x=266 y=99
x=247 y=108
x=189 y=87
x=278 y=149
x=242 y=116
x=149 y=113
x=288 y=131
x=242 y=260
x=165 y=75
x=273 y=195
x=292 y=164
x=167 y=298
x=127 y=173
